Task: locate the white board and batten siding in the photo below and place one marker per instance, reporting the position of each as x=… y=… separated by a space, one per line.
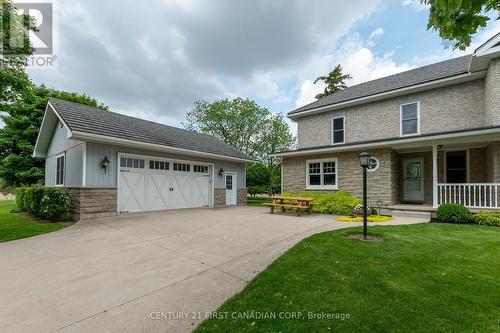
x=142 y=189
x=72 y=149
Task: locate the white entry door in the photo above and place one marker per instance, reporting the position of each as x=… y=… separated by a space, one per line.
x=147 y=184
x=231 y=188
x=413 y=179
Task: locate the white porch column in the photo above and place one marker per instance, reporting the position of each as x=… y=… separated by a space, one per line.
x=434 y=176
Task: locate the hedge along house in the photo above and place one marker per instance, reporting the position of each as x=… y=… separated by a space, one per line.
x=114 y=163
x=433 y=133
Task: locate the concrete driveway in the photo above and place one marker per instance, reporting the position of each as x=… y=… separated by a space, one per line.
x=150 y=272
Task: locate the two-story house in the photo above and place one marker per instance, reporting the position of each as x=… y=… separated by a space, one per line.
x=433 y=134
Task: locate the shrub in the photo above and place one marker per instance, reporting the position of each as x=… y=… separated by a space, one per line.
x=46 y=202
x=20 y=193
x=454 y=213
x=338 y=203
x=488 y=218
x=55 y=202
x=33 y=198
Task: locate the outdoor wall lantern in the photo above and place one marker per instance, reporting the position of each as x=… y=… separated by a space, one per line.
x=105 y=163
x=364 y=157
x=221 y=172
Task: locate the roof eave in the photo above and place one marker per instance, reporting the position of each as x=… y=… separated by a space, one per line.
x=392 y=93
x=44 y=126
x=85 y=136
x=483 y=133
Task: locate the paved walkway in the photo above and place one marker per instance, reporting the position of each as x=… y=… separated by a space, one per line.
x=129 y=273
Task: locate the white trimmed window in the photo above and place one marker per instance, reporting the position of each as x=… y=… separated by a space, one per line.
x=338 y=130
x=60 y=170
x=322 y=174
x=410 y=118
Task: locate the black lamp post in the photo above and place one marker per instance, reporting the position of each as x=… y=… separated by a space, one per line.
x=363 y=161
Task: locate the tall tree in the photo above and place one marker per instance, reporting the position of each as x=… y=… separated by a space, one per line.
x=15 y=48
x=17 y=138
x=458 y=20
x=238 y=122
x=246 y=126
x=334 y=81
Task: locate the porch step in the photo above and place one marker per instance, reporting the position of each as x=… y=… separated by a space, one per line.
x=425 y=216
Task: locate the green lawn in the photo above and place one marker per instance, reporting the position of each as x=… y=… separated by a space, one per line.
x=15 y=226
x=424 y=278
x=257 y=201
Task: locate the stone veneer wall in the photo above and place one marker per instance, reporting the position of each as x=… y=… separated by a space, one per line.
x=241 y=196
x=350 y=177
x=493 y=162
x=477 y=165
x=89 y=202
x=219 y=197
x=492 y=94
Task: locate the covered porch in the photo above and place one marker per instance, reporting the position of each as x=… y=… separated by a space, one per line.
x=465 y=171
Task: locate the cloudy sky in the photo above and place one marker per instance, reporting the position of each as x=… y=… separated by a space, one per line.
x=153 y=59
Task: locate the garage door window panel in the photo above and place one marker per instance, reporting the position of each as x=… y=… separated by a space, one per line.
x=133 y=163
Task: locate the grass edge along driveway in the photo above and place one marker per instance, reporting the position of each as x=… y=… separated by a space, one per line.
x=423 y=277
x=16 y=225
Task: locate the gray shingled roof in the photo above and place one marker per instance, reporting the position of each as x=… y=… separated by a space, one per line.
x=87 y=119
x=409 y=78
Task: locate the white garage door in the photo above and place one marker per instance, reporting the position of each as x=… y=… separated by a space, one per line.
x=159 y=184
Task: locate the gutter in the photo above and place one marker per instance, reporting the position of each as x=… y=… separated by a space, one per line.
x=77 y=135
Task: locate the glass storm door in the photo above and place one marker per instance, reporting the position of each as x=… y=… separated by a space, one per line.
x=413 y=179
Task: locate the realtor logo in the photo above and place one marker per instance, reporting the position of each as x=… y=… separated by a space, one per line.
x=41 y=38
x=27 y=22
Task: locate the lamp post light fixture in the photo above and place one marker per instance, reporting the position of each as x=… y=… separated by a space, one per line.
x=105 y=163
x=364 y=157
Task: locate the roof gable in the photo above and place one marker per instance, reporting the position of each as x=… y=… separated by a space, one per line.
x=83 y=120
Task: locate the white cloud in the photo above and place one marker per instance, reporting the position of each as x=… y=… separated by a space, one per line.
x=415 y=4
x=155 y=60
x=308 y=91
x=376 y=33
x=357 y=59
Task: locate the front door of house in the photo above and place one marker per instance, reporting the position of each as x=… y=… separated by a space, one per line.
x=413 y=180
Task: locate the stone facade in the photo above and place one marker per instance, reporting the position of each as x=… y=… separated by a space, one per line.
x=241 y=196
x=492 y=93
x=464 y=103
x=88 y=202
x=219 y=197
x=477 y=165
x=386 y=183
x=381 y=183
x=493 y=162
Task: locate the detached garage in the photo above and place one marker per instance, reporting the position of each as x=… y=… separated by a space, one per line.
x=114 y=163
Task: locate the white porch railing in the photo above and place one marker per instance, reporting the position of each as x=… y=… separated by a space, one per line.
x=478 y=195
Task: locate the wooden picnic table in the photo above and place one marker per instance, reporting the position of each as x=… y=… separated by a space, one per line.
x=297 y=203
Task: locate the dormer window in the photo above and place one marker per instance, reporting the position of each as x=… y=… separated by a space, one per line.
x=410 y=118
x=338 y=130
